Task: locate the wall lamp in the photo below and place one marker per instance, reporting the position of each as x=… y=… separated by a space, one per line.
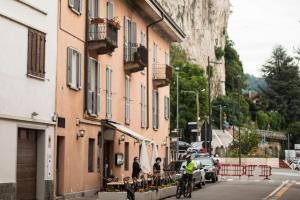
x=80 y=133
x=122 y=139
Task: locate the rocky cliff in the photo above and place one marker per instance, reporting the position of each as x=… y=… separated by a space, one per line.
x=204 y=22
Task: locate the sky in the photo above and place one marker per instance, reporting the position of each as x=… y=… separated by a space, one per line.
x=257 y=26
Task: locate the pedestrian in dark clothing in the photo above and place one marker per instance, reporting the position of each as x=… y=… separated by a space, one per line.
x=136 y=168
x=156 y=172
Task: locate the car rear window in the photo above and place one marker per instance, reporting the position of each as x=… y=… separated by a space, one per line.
x=206 y=161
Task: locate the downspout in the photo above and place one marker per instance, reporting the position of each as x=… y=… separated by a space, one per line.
x=148 y=91
x=86 y=59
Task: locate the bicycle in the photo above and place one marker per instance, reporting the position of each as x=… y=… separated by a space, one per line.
x=182 y=186
x=129 y=189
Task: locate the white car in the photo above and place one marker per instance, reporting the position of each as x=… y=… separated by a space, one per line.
x=296 y=165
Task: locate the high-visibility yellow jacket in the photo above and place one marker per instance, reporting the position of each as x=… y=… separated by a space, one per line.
x=190 y=167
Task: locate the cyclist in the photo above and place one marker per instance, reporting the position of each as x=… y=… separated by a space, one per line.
x=189 y=169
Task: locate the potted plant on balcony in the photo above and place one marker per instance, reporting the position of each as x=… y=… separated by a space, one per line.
x=115 y=22
x=97 y=20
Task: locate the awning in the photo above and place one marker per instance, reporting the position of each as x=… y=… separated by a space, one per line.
x=126 y=131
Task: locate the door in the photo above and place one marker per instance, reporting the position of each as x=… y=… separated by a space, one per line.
x=59 y=165
x=26 y=164
x=106 y=156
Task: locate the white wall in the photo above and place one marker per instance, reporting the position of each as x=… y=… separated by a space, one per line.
x=20 y=95
x=273 y=162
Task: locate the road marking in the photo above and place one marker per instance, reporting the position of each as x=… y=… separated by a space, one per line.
x=229 y=179
x=281 y=192
x=218 y=138
x=277 y=189
x=285 y=174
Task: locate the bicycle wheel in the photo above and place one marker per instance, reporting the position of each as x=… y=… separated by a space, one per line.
x=178 y=191
x=186 y=193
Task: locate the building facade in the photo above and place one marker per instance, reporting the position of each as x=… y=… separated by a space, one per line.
x=27 y=104
x=112 y=92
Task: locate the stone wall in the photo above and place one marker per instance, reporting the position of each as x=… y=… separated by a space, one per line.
x=205 y=23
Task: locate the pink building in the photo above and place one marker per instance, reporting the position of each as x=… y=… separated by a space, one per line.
x=112 y=92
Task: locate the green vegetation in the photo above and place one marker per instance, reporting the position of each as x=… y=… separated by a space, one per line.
x=191 y=78
x=294 y=130
x=219 y=52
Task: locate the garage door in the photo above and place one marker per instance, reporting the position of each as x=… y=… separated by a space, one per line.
x=26 y=164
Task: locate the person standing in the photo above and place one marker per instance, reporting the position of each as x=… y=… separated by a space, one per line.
x=156 y=172
x=189 y=169
x=136 y=168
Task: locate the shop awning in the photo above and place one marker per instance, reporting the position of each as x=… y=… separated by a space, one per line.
x=126 y=131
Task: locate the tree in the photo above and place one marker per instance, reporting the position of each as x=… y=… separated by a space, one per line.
x=277 y=121
x=233 y=67
x=282 y=76
x=191 y=78
x=262 y=120
x=294 y=130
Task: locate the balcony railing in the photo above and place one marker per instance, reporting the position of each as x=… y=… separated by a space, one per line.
x=162 y=75
x=135 y=57
x=103 y=35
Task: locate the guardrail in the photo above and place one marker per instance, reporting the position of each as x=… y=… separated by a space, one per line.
x=244 y=170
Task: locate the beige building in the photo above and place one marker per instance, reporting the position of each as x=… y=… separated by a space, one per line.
x=112 y=91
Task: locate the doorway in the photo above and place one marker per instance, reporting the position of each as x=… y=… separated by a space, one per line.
x=26 y=164
x=106 y=158
x=60 y=150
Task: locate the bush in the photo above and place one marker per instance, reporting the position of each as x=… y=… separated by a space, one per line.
x=219 y=53
x=277 y=121
x=263 y=120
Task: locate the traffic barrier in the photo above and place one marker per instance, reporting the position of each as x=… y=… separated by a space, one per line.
x=266 y=171
x=249 y=169
x=244 y=170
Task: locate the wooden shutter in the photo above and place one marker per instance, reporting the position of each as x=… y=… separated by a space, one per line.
x=71 y=3
x=98 y=88
x=109 y=10
x=108 y=92
x=165 y=106
x=96 y=8
x=126 y=38
x=157 y=110
x=80 y=6
x=78 y=70
x=154 y=110
x=89 y=91
x=127 y=100
x=69 y=65
x=133 y=44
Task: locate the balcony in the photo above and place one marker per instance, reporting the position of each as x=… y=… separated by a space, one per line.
x=162 y=75
x=135 y=57
x=103 y=35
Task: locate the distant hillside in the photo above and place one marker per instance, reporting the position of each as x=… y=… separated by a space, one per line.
x=254 y=83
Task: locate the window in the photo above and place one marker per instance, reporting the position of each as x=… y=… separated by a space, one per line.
x=76 y=6
x=143 y=106
x=93 y=92
x=110 y=10
x=167 y=58
x=126 y=159
x=155 y=109
x=91 y=155
x=93 y=8
x=73 y=69
x=167 y=107
x=108 y=92
x=143 y=38
x=127 y=100
x=130 y=41
x=36 y=53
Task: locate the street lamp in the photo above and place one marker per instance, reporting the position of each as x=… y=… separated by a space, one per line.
x=239 y=121
x=198 y=106
x=177 y=111
x=209 y=92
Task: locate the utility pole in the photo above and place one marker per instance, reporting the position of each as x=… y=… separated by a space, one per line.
x=220 y=117
x=177 y=111
x=239 y=120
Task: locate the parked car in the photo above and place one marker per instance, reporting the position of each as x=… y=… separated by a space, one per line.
x=178 y=166
x=195 y=147
x=208 y=165
x=296 y=164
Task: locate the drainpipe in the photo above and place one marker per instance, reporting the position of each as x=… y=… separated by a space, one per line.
x=148 y=91
x=86 y=55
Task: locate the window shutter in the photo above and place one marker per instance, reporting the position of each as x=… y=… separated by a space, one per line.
x=69 y=65
x=90 y=91
x=157 y=110
x=80 y=6
x=71 y=3
x=110 y=94
x=154 y=110
x=126 y=38
x=133 y=45
x=165 y=107
x=98 y=87
x=78 y=69
x=109 y=10
x=96 y=8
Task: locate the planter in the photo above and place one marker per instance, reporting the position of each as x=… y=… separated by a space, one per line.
x=112 y=196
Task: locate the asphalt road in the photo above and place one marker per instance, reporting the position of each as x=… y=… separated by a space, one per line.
x=283 y=185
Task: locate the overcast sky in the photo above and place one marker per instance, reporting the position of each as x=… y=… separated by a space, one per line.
x=256 y=26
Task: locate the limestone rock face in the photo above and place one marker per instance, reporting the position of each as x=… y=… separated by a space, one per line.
x=204 y=23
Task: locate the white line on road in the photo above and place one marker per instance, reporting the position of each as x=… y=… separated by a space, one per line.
x=218 y=138
x=277 y=189
x=285 y=174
